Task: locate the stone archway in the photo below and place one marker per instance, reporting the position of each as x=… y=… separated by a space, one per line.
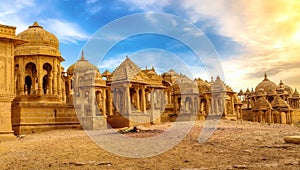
x=31 y=74
x=28 y=83
x=45 y=84
x=47 y=79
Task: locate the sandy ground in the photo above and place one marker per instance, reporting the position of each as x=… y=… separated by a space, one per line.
x=234 y=145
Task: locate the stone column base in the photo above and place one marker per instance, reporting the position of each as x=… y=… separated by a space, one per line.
x=7 y=136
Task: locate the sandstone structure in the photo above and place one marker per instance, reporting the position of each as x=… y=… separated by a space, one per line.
x=40 y=102
x=36 y=94
x=130 y=96
x=271 y=103
x=8 y=41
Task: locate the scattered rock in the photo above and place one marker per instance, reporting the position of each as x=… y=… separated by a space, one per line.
x=105 y=163
x=239 y=166
x=292 y=139
x=20 y=136
x=248 y=151
x=77 y=163
x=128 y=130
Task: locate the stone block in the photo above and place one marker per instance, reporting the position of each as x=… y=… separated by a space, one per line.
x=292 y=139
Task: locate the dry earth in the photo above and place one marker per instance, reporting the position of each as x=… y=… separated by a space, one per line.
x=234 y=145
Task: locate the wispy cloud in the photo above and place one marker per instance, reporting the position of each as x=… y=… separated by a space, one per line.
x=66 y=31
x=149 y=5
x=269 y=32
x=20 y=14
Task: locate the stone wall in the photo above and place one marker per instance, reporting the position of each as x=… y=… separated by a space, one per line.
x=296 y=116
x=247 y=114
x=7 y=83
x=37 y=117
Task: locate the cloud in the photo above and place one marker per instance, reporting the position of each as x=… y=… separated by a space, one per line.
x=149 y=5
x=20 y=14
x=269 y=32
x=67 y=32
x=111 y=63
x=10 y=13
x=89 y=2
x=92 y=7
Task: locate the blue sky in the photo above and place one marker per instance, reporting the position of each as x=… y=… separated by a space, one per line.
x=250 y=37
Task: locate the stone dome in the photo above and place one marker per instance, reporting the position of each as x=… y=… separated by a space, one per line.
x=285 y=87
x=268 y=86
x=38 y=42
x=81 y=66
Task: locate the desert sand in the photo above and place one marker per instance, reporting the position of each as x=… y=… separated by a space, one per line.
x=234 y=145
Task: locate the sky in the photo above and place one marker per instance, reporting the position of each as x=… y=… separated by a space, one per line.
x=246 y=39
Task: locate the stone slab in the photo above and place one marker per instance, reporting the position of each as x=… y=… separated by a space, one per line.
x=292 y=139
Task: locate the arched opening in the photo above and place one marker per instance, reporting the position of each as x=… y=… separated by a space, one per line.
x=188 y=104
x=179 y=102
x=67 y=88
x=47 y=79
x=31 y=74
x=45 y=84
x=28 y=83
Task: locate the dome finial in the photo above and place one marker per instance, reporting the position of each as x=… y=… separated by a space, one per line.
x=266 y=77
x=35 y=24
x=82 y=56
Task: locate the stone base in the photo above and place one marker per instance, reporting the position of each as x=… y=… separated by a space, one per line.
x=119 y=121
x=155 y=117
x=34 y=128
x=7 y=136
x=186 y=117
x=31 y=117
x=93 y=123
x=230 y=117
x=164 y=117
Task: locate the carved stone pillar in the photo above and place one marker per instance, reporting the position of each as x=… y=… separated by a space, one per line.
x=110 y=102
x=92 y=101
x=137 y=91
x=127 y=100
x=104 y=102
x=55 y=77
x=40 y=77
x=50 y=83
x=59 y=80
x=143 y=100
x=22 y=82
x=7 y=82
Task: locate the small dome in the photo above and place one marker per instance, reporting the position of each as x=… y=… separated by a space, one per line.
x=81 y=66
x=285 y=87
x=38 y=41
x=241 y=93
x=269 y=86
x=247 y=92
x=296 y=93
